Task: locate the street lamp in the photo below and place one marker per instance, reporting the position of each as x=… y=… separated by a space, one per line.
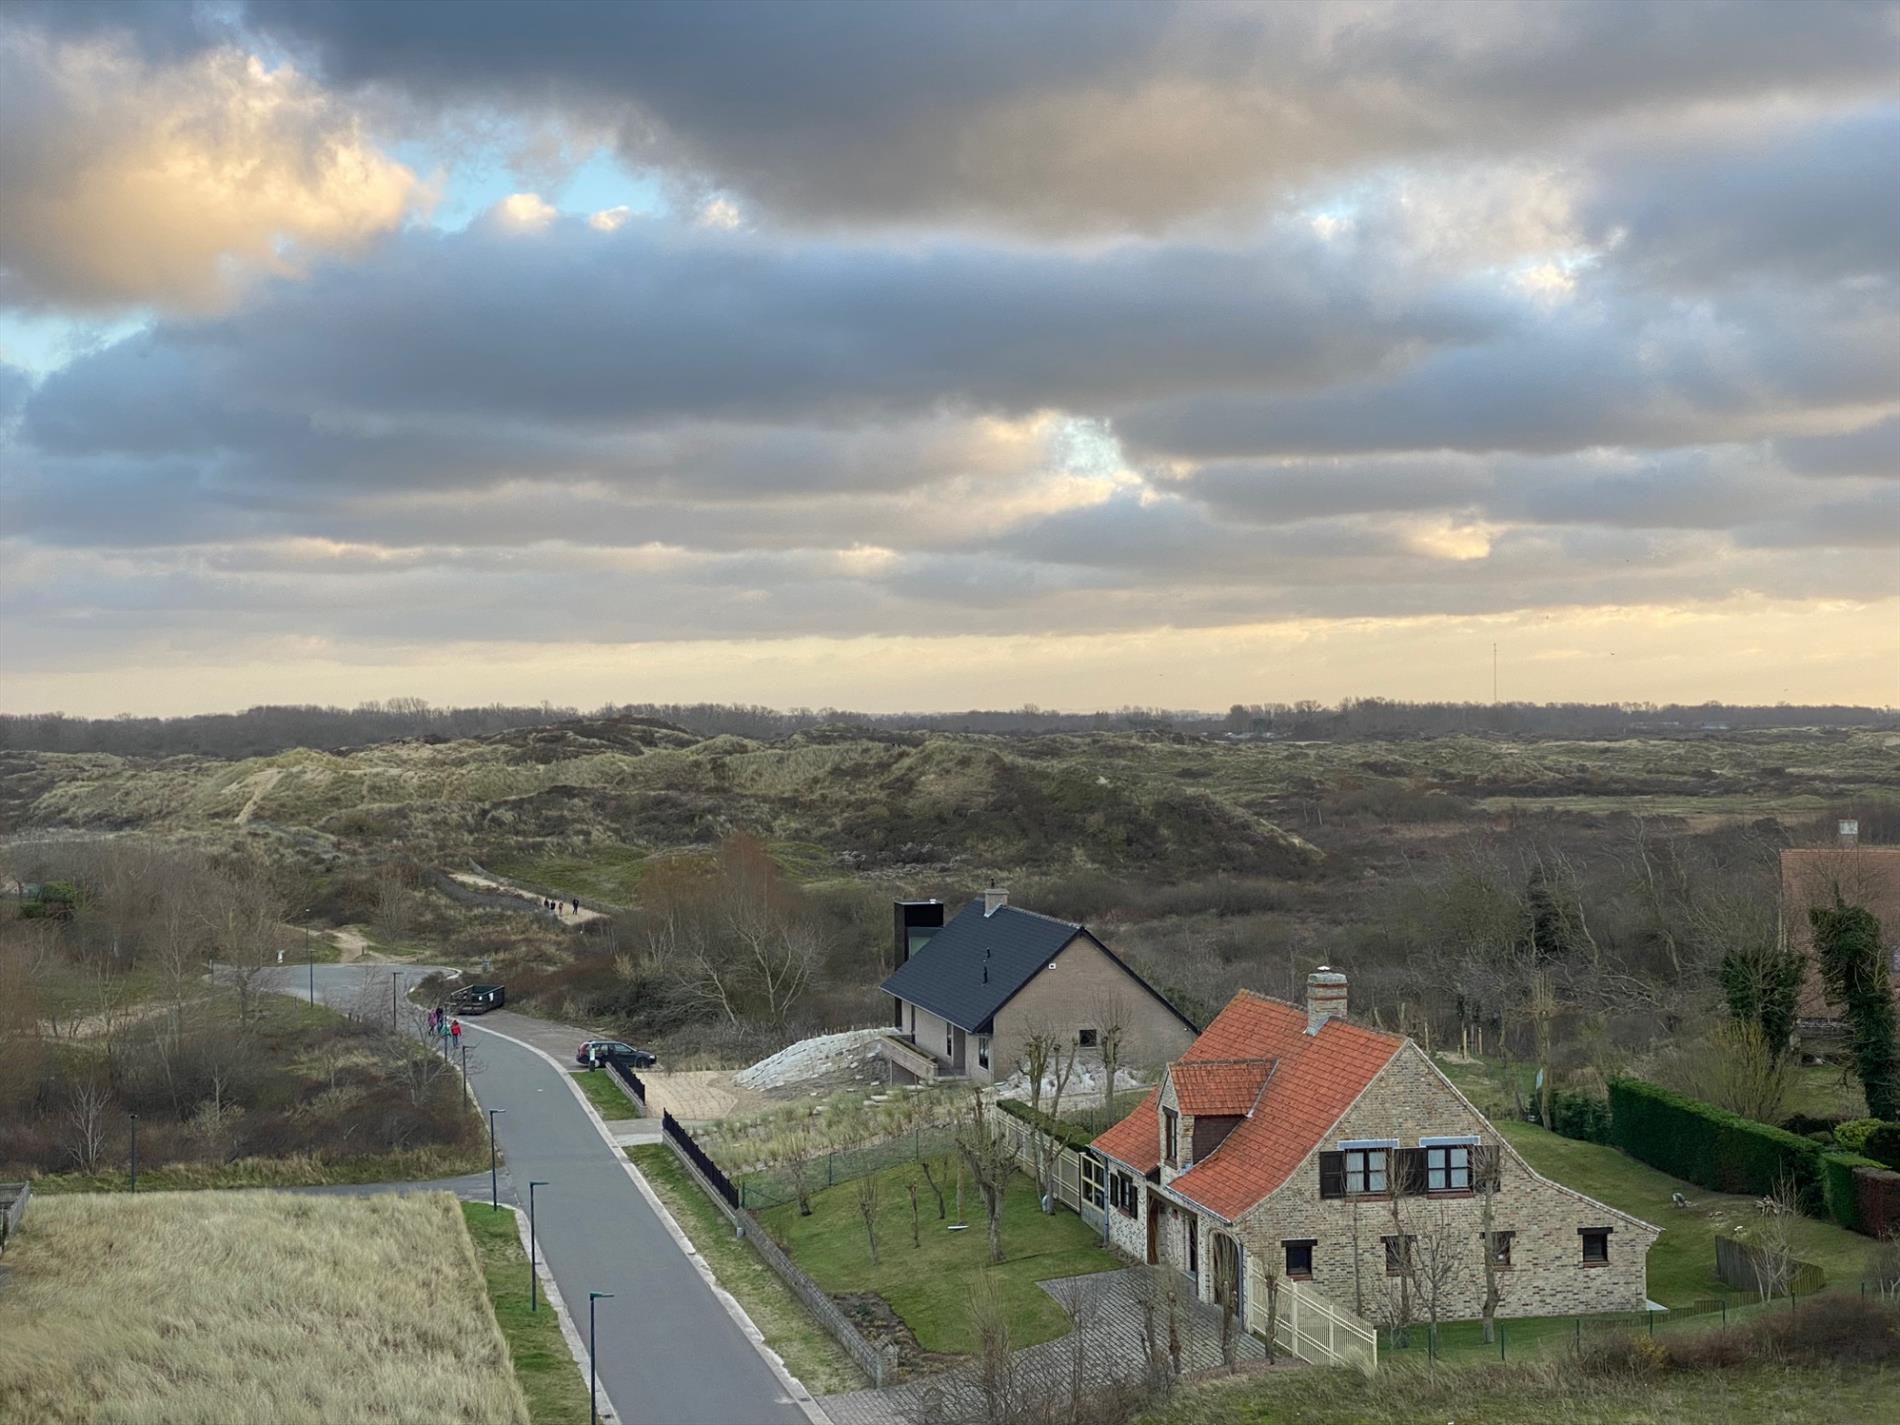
x=494 y=1182
x=135 y=1152
x=532 y=1286
x=394 y=977
x=593 y=1361
x=309 y=953
x=465 y=1071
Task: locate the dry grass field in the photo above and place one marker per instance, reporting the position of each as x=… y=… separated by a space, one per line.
x=212 y=1307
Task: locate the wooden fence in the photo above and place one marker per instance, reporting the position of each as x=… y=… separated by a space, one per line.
x=1076 y=1179
x=1740 y=1265
x=1307 y=1325
x=13 y=1198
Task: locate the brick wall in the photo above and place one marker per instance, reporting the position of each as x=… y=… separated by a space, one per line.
x=1411 y=1100
x=1067 y=997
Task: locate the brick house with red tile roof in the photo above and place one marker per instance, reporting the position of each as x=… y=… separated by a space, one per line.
x=1291 y=1142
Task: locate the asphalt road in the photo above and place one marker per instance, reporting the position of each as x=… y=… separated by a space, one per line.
x=669 y=1352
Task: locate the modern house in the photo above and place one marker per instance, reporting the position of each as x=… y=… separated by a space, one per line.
x=1291 y=1143
x=966 y=993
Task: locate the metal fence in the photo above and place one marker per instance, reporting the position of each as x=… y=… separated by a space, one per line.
x=695 y=1155
x=769 y=1187
x=633 y=1082
x=872 y=1359
x=1516 y=1337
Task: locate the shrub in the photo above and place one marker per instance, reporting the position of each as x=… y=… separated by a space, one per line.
x=1710 y=1147
x=1069 y=1135
x=1884 y=1143
x=1806 y=1125
x=1835 y=1330
x=1840 y=1191
x=1853 y=1134
x=1580 y=1115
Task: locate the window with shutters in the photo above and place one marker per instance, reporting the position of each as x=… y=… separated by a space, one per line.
x=1367 y=1171
x=1332 y=1174
x=1448 y=1168
x=1122 y=1193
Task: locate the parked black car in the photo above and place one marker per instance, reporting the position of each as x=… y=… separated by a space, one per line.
x=604 y=1051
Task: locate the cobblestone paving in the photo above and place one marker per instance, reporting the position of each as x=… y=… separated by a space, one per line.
x=1112 y=1349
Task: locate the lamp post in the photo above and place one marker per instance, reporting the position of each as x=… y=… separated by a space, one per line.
x=309 y=953
x=494 y=1182
x=465 y=1071
x=394 y=977
x=135 y=1152
x=593 y=1361
x=532 y=1285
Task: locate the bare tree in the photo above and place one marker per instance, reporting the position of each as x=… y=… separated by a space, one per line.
x=1486 y=1183
x=1111 y=1020
x=982 y=1148
x=1771 y=1241
x=85 y=1123
x=867 y=1210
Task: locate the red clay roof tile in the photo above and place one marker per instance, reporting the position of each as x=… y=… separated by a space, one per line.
x=1225 y=1088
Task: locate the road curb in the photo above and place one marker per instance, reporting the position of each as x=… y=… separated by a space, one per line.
x=795 y=1390
x=552 y=1291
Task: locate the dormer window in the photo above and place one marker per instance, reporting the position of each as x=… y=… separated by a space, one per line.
x=1170 y=1137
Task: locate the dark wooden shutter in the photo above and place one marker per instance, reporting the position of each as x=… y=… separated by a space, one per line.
x=1332 y=1174
x=1409 y=1171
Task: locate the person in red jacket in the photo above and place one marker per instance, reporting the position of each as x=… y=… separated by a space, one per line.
x=455 y=1030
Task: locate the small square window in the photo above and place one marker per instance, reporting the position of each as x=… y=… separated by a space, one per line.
x=1299 y=1259
x=1501 y=1248
x=1596 y=1245
x=1087 y=1038
x=1398 y=1255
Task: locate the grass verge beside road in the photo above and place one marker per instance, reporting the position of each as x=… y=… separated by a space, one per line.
x=808 y=1351
x=603 y=1090
x=544 y=1367
x=249 y=1306
x=929 y=1285
x=415 y=1165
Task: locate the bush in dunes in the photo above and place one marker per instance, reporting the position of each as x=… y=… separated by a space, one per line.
x=205 y=1308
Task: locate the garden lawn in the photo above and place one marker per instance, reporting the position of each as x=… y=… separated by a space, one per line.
x=604 y=1092
x=929 y=1285
x=1682 y=1263
x=807 y=1349
x=544 y=1367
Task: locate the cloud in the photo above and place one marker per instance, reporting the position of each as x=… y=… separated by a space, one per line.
x=128 y=183
x=1076 y=116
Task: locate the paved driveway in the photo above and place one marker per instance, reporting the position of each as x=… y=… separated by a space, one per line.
x=670 y=1353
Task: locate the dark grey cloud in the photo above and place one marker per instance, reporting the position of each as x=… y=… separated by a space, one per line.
x=1080 y=115
x=1872 y=449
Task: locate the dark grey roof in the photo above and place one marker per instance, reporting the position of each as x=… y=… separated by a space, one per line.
x=947 y=977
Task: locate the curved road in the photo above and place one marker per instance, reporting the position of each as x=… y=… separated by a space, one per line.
x=670 y=1353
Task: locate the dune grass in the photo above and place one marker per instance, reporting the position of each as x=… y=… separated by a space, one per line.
x=544 y=1367
x=207 y=1308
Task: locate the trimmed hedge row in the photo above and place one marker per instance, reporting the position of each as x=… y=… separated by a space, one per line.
x=1069 y=1135
x=1710 y=1146
x=1840 y=1187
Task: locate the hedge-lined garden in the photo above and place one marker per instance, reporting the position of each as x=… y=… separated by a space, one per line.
x=1725 y=1152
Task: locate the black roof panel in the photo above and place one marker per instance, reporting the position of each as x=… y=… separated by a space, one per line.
x=947 y=976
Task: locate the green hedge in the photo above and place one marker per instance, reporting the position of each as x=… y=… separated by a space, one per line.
x=1070 y=1135
x=1710 y=1146
x=1884 y=1143
x=1877 y=1192
x=1841 y=1190
x=1580 y=1115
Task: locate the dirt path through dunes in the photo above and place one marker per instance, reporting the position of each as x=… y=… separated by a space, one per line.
x=351 y=946
x=261 y=784
x=499 y=886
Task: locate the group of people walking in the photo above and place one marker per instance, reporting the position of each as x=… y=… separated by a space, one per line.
x=441 y=1024
x=561 y=907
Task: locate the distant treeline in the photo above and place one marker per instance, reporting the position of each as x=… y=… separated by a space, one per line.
x=262 y=731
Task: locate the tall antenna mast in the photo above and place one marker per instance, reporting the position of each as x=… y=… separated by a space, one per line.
x=1494 y=675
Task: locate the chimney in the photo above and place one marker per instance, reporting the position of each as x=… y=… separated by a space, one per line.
x=994 y=899
x=1325 y=998
x=1850 y=833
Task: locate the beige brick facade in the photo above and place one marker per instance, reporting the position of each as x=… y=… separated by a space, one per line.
x=1409 y=1101
x=1068 y=995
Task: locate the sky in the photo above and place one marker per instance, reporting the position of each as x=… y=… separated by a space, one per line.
x=937 y=356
